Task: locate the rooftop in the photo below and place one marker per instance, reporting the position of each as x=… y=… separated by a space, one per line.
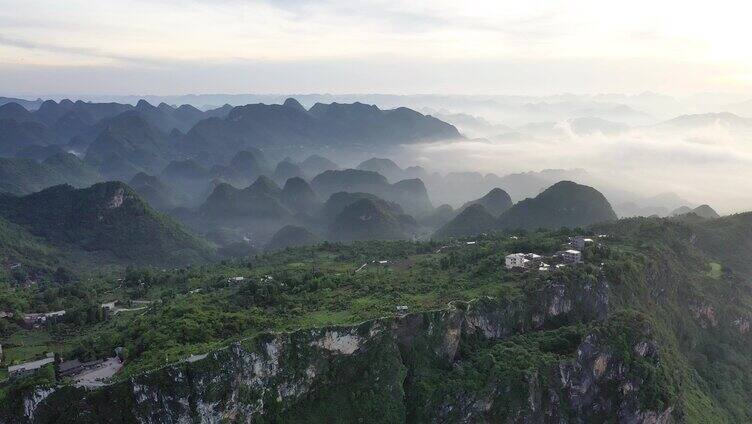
x=30 y=365
x=69 y=365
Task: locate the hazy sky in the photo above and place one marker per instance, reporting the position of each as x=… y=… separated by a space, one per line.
x=345 y=46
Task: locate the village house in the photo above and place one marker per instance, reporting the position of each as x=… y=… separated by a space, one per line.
x=110 y=306
x=572 y=256
x=579 y=242
x=27 y=368
x=69 y=368
x=402 y=309
x=521 y=260
x=32 y=320
x=75 y=367
x=515 y=260
x=235 y=279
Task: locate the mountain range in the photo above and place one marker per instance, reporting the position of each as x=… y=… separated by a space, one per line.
x=564 y=204
x=107 y=219
x=122 y=140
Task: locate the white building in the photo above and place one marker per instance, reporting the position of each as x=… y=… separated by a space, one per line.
x=41 y=318
x=579 y=242
x=522 y=260
x=516 y=260
x=572 y=256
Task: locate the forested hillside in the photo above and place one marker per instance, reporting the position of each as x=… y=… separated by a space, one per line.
x=652 y=326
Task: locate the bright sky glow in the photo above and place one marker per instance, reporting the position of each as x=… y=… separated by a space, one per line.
x=535 y=47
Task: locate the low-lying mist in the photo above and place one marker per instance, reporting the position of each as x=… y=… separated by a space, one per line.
x=701 y=158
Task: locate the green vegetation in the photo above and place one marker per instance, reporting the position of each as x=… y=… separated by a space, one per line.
x=366 y=219
x=716 y=271
x=474 y=219
x=564 y=204
x=108 y=218
x=668 y=318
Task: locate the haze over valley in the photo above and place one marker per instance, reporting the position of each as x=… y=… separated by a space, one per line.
x=375 y=212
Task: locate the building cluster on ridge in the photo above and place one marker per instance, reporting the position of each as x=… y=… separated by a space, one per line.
x=534 y=261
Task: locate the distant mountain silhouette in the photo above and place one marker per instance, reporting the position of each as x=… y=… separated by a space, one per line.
x=564 y=204
x=250 y=163
x=264 y=186
x=24 y=176
x=385 y=167
x=496 y=202
x=411 y=195
x=259 y=125
x=682 y=210
x=154 y=191
x=72 y=170
x=695 y=121
x=337 y=202
x=17 y=113
x=366 y=219
x=259 y=200
x=298 y=196
x=38 y=152
x=350 y=180
x=27 y=104
x=292 y=236
x=107 y=217
x=187 y=169
x=16 y=136
x=438 y=217
x=128 y=138
x=703 y=211
x=472 y=220
x=315 y=164
x=286 y=170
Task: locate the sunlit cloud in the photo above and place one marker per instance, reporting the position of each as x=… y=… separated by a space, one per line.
x=706 y=164
x=708 y=44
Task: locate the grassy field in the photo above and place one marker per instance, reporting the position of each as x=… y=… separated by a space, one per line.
x=26 y=345
x=716 y=271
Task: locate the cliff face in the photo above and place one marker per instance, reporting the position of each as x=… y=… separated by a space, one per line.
x=430 y=366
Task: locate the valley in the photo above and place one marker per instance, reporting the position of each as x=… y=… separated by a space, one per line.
x=144 y=279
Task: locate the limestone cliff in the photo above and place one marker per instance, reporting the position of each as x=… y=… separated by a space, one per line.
x=379 y=371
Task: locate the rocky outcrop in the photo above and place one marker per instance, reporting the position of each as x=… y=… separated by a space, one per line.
x=705 y=314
